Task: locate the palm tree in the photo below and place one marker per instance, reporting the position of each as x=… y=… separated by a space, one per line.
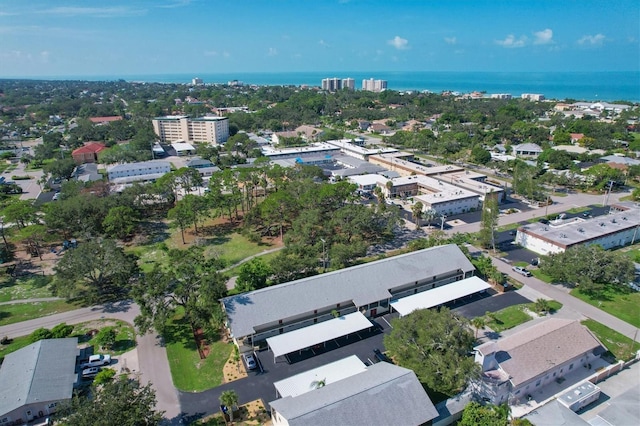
x=317 y=384
x=429 y=215
x=542 y=305
x=229 y=398
x=416 y=209
x=478 y=323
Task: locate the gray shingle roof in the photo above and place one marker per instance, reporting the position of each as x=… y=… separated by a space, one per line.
x=383 y=394
x=362 y=284
x=43 y=371
x=535 y=350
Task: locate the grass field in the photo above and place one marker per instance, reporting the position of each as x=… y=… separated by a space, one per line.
x=28 y=287
x=17 y=343
x=10 y=314
x=189 y=372
x=507 y=318
x=617 y=301
x=619 y=345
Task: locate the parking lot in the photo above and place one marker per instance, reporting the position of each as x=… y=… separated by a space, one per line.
x=259 y=383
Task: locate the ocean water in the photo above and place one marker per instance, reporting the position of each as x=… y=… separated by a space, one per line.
x=585 y=86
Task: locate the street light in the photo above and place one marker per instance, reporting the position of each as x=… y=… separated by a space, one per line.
x=442 y=218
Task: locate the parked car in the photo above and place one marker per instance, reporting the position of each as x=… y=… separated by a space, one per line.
x=543 y=221
x=90 y=372
x=97 y=361
x=380 y=356
x=250 y=361
x=522 y=271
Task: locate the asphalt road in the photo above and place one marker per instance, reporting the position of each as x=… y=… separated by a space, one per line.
x=152 y=355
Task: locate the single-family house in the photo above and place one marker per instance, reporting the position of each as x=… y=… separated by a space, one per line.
x=36 y=378
x=88 y=153
x=527 y=150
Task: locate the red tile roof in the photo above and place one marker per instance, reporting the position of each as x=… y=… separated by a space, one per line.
x=89 y=148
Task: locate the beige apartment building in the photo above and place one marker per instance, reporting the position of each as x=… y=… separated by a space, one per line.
x=210 y=129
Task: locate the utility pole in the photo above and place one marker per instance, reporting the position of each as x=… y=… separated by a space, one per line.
x=324 y=256
x=606 y=195
x=442 y=218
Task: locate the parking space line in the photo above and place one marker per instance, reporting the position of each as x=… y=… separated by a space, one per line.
x=385 y=320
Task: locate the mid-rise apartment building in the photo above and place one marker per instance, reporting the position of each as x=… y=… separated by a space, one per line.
x=372 y=85
x=210 y=129
x=334 y=84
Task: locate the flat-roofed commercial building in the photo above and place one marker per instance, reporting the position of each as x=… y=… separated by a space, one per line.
x=367 y=289
x=614 y=230
x=210 y=129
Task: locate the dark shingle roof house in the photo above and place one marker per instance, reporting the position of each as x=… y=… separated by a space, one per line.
x=36 y=376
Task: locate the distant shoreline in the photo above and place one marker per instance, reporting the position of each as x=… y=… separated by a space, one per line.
x=581 y=86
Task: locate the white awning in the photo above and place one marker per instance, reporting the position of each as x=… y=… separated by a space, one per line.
x=318 y=333
x=328 y=373
x=438 y=296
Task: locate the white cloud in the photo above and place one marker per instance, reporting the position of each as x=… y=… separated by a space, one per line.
x=399 y=43
x=450 y=40
x=272 y=51
x=175 y=3
x=44 y=55
x=592 y=40
x=210 y=53
x=97 y=12
x=511 y=42
x=323 y=43
x=543 y=37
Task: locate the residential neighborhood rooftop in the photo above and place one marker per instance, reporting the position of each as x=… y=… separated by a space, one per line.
x=42 y=371
x=362 y=284
x=383 y=394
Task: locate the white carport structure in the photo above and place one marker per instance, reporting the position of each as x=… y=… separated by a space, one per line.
x=318 y=333
x=328 y=373
x=438 y=296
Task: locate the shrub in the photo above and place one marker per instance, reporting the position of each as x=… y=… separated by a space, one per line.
x=106 y=337
x=61 y=331
x=39 y=334
x=104 y=376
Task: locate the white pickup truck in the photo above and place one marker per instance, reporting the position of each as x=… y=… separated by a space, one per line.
x=97 y=361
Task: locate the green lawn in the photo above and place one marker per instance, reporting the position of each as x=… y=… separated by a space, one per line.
x=125 y=335
x=28 y=287
x=634 y=254
x=232 y=248
x=189 y=372
x=266 y=257
x=619 y=345
x=576 y=210
x=618 y=301
x=507 y=318
x=539 y=275
x=17 y=343
x=149 y=255
x=10 y=314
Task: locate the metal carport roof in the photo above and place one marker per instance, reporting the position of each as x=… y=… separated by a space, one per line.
x=438 y=296
x=318 y=333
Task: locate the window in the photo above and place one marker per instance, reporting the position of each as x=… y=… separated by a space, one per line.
x=571 y=367
x=517 y=392
x=538 y=383
x=373 y=305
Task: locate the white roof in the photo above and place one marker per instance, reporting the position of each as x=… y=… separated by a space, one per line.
x=318 y=333
x=368 y=179
x=182 y=146
x=328 y=373
x=438 y=296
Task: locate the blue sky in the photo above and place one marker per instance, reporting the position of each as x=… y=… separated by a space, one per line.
x=133 y=37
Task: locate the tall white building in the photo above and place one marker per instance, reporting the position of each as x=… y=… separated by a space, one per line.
x=197 y=81
x=372 y=85
x=348 y=83
x=211 y=129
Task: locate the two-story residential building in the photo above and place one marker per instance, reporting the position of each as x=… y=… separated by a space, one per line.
x=366 y=290
x=138 y=172
x=515 y=366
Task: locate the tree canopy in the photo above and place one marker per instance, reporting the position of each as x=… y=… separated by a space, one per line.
x=95 y=272
x=119 y=402
x=435 y=344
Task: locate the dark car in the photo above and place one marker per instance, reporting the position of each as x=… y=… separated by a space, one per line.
x=380 y=356
x=543 y=220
